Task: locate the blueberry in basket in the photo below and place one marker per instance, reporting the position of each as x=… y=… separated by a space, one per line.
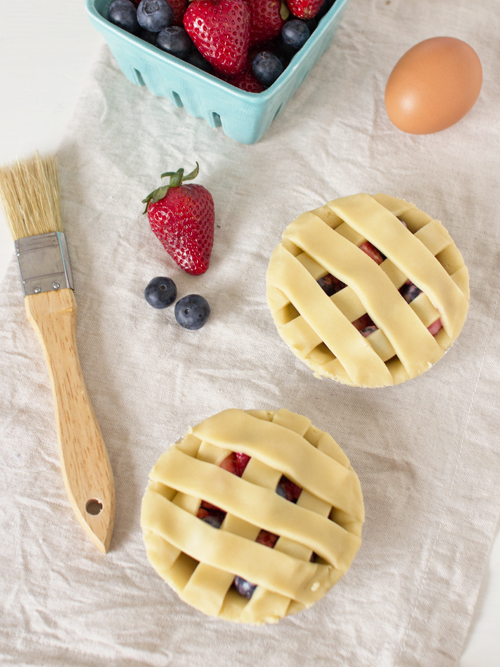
x=245 y=45
x=295 y=33
x=148 y=36
x=195 y=59
x=154 y=15
x=176 y=41
x=267 y=67
x=123 y=13
x=221 y=96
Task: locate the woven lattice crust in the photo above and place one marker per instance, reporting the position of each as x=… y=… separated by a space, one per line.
x=403 y=343
x=319 y=535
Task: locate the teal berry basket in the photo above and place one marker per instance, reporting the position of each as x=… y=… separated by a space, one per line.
x=244 y=117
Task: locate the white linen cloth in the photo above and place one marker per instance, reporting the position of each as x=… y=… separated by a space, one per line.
x=426 y=452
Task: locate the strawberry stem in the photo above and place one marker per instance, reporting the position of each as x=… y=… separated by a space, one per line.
x=176 y=178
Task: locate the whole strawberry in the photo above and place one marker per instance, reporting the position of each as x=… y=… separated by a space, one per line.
x=182 y=218
x=220 y=30
x=267 y=18
x=305 y=9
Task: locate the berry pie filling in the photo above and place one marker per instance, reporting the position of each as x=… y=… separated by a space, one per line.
x=235 y=463
x=364 y=324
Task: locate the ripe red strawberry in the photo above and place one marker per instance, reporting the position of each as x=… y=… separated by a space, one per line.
x=220 y=30
x=305 y=9
x=267 y=18
x=182 y=218
x=179 y=7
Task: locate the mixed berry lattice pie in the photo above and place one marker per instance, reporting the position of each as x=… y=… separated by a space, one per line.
x=252 y=515
x=368 y=290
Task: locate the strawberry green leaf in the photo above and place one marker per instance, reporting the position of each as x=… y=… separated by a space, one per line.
x=284 y=11
x=193 y=174
x=155 y=196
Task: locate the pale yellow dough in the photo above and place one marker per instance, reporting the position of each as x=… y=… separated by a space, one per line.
x=200 y=562
x=318 y=327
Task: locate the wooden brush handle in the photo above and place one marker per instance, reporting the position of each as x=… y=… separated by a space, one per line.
x=85 y=464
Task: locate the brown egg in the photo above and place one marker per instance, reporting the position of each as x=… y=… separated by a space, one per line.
x=433 y=85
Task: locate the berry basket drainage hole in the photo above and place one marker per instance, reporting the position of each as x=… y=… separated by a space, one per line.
x=93 y=507
x=176 y=99
x=214 y=119
x=138 y=77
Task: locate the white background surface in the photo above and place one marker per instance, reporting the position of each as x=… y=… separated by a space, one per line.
x=46 y=50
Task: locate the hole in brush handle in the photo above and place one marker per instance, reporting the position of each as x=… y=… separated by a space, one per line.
x=93 y=507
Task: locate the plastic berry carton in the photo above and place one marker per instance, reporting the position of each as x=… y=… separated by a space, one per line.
x=245 y=117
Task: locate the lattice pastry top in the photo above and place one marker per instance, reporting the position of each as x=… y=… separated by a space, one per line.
x=380 y=264
x=252 y=515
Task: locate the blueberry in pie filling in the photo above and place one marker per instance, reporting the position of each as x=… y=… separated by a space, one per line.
x=380 y=264
x=252 y=515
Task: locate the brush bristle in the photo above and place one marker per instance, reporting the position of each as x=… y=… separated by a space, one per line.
x=29 y=190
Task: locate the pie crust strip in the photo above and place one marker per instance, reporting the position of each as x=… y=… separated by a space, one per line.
x=299 y=580
x=414 y=345
x=361 y=363
x=382 y=228
x=287 y=452
x=256 y=505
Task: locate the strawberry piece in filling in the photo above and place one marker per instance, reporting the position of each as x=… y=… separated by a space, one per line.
x=235 y=463
x=288 y=489
x=364 y=324
x=372 y=252
x=435 y=327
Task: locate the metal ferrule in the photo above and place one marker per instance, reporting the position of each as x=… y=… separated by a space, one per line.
x=44 y=263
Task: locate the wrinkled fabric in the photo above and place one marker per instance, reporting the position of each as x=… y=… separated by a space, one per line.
x=426 y=452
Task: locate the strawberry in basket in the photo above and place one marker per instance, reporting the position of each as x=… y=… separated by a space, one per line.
x=220 y=30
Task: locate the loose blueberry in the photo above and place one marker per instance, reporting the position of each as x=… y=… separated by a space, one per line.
x=244 y=587
x=160 y=292
x=295 y=33
x=123 y=13
x=192 y=311
x=266 y=67
x=174 y=40
x=155 y=15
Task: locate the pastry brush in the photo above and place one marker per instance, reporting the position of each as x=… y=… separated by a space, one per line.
x=30 y=193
